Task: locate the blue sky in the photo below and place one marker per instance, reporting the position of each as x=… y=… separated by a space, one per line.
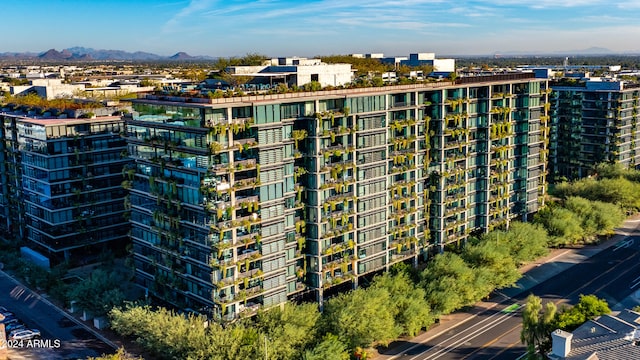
x=321 y=27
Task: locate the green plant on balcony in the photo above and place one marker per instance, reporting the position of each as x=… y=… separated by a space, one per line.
x=247 y=224
x=216 y=147
x=325 y=207
x=299 y=171
x=298 y=135
x=299 y=193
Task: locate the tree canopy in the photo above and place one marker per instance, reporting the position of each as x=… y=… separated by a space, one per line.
x=537 y=325
x=361 y=317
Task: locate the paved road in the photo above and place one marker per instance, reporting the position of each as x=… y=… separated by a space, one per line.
x=75 y=341
x=612 y=274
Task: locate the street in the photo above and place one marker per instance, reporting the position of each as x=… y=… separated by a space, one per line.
x=75 y=342
x=612 y=274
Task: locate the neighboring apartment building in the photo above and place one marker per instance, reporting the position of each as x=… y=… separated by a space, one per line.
x=63 y=195
x=244 y=202
x=11 y=204
x=593 y=121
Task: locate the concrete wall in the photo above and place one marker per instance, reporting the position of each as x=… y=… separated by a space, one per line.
x=444 y=65
x=328 y=74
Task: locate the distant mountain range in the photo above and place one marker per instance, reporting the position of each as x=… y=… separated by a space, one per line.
x=89 y=54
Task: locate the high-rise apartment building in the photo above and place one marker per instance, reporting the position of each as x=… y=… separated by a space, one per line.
x=593 y=121
x=244 y=202
x=63 y=192
x=11 y=204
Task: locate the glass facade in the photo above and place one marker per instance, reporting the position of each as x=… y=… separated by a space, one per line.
x=590 y=126
x=68 y=182
x=287 y=197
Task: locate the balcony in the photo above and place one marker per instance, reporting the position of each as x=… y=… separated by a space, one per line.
x=250 y=274
x=244 y=143
x=249 y=254
x=220 y=168
x=245 y=183
x=247 y=199
x=249 y=309
x=245 y=164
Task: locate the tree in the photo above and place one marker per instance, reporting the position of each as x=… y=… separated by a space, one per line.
x=162 y=332
x=588 y=307
x=360 y=317
x=170 y=336
x=235 y=80
x=537 y=325
x=501 y=269
x=525 y=242
x=446 y=282
x=121 y=354
x=99 y=293
x=289 y=330
x=618 y=190
x=330 y=348
x=598 y=218
x=408 y=305
x=363 y=66
x=563 y=225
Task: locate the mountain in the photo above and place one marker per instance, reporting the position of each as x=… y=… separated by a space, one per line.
x=181 y=56
x=79 y=53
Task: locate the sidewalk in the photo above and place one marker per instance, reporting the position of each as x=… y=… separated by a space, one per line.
x=557 y=261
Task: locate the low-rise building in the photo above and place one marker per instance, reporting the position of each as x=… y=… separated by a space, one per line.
x=607 y=337
x=296 y=71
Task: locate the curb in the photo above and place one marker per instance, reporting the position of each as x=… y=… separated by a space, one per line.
x=62 y=312
x=465 y=317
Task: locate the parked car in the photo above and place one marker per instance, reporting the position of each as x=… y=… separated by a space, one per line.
x=8 y=318
x=26 y=334
x=9 y=321
x=14 y=326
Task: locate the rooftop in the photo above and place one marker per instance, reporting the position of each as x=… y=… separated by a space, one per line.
x=329 y=92
x=607 y=337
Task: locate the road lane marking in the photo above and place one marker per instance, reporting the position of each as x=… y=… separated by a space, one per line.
x=484 y=346
x=623 y=244
x=488 y=318
x=442 y=351
x=507 y=348
x=463 y=321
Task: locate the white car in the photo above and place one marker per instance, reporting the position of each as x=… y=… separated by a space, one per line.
x=24 y=334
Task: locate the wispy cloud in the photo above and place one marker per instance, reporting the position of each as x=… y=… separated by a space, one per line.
x=542 y=4
x=193 y=7
x=331 y=22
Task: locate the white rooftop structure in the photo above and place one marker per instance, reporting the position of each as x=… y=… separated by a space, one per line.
x=297 y=71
